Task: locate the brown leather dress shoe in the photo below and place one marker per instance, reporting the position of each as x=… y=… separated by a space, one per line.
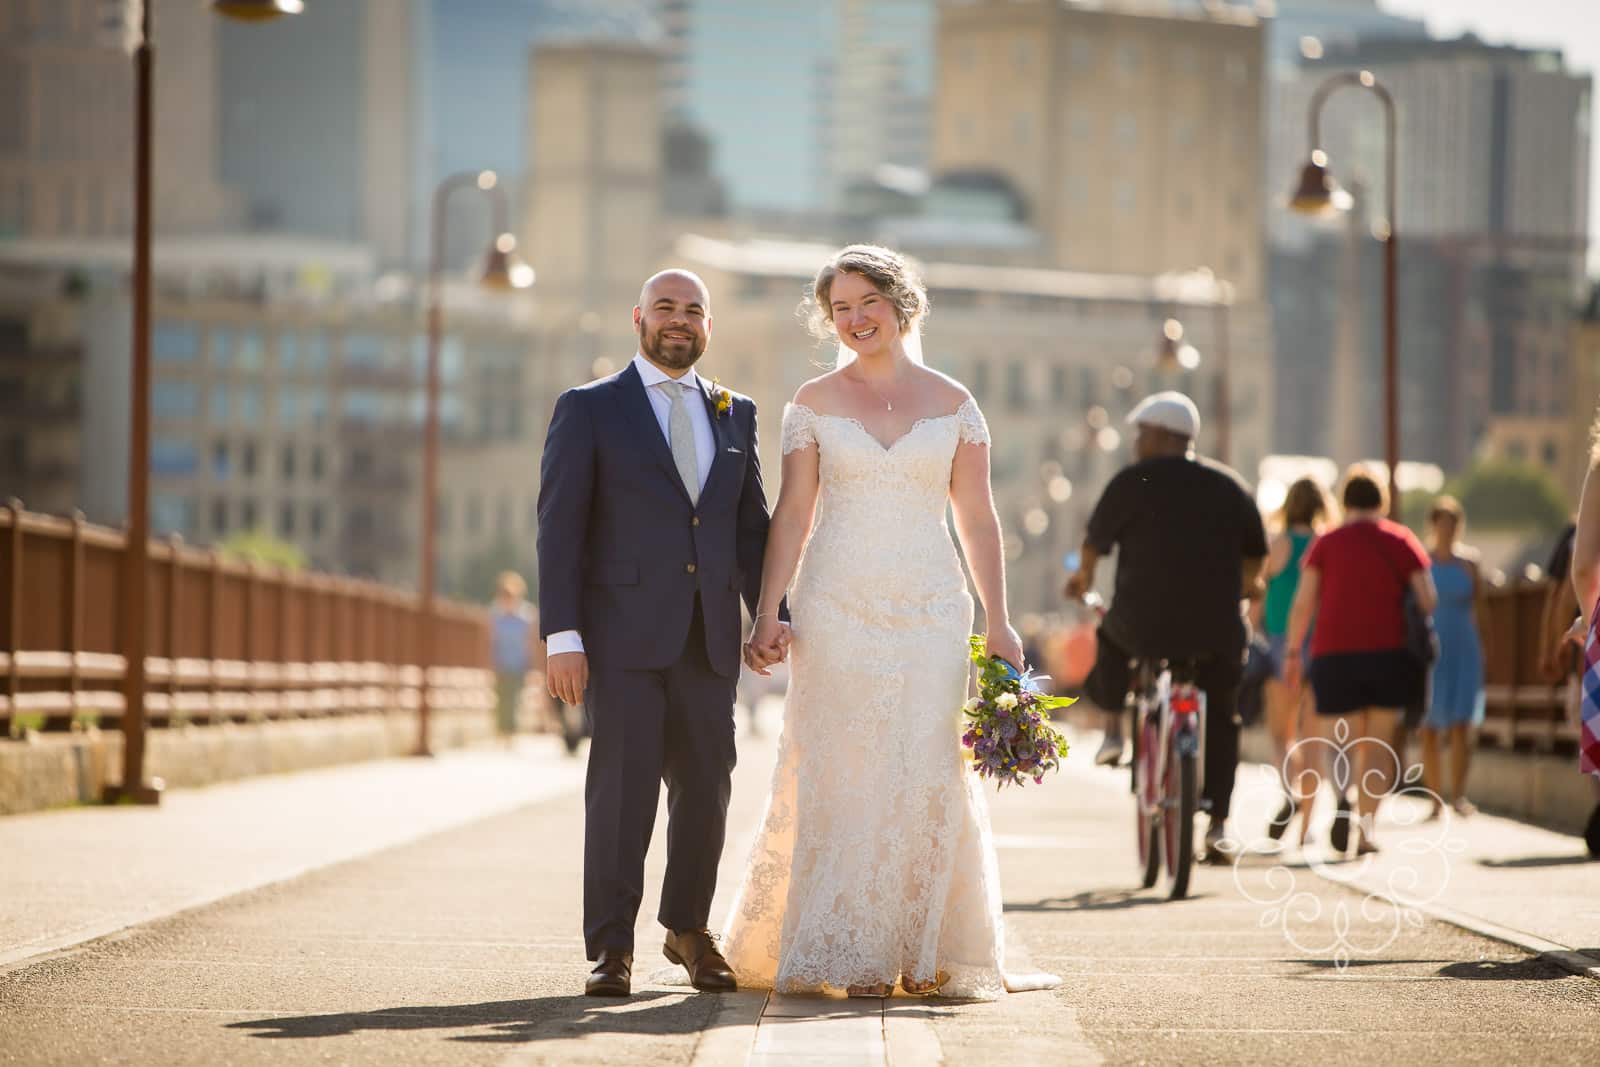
x=612 y=975
x=697 y=953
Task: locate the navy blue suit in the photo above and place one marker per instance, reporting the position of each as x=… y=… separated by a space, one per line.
x=652 y=581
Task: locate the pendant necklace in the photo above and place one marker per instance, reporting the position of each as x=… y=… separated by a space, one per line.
x=888 y=406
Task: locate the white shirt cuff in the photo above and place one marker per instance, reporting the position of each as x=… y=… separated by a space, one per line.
x=565 y=641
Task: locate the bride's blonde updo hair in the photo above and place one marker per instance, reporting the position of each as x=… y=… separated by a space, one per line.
x=888 y=271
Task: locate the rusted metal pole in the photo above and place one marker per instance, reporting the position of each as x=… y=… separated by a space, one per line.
x=136 y=552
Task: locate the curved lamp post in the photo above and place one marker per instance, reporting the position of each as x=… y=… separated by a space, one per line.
x=1319 y=194
x=502 y=271
x=136 y=556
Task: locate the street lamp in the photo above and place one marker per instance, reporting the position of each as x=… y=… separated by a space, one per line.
x=136 y=555
x=502 y=271
x=1319 y=194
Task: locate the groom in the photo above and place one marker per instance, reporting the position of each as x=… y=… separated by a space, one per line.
x=652 y=525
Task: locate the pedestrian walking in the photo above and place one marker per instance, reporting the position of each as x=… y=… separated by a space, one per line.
x=511 y=636
x=1586 y=586
x=1455 y=707
x=1363 y=668
x=1306 y=510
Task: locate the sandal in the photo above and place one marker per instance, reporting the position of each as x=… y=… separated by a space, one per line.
x=872 y=989
x=924 y=989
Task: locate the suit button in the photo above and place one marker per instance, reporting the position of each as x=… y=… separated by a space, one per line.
x=688 y=568
x=695 y=521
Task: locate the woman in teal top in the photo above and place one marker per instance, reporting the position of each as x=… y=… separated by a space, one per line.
x=1306 y=509
x=1455 y=708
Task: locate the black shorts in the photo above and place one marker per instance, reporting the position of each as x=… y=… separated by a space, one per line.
x=1346 y=682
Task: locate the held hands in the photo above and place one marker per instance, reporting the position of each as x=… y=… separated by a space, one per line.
x=1293 y=670
x=1005 y=643
x=1077 y=586
x=768 y=644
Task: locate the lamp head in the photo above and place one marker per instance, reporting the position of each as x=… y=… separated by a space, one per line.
x=1318 y=193
x=257 y=10
x=504 y=270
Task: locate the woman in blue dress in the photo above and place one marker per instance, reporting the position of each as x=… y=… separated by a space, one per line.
x=1455 y=708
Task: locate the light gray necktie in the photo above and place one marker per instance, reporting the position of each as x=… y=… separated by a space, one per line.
x=680 y=433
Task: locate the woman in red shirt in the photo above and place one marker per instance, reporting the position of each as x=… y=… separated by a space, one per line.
x=1354 y=582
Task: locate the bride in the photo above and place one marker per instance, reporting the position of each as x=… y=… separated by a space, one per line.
x=874 y=863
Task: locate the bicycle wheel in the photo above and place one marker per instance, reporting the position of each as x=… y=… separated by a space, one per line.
x=1146 y=801
x=1182 y=795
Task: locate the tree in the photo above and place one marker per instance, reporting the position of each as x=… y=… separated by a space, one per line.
x=258 y=546
x=1499 y=495
x=476 y=578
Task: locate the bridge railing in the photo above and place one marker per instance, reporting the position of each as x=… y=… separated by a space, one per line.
x=1525 y=708
x=227 y=640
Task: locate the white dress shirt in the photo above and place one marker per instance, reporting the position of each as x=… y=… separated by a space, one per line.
x=705 y=447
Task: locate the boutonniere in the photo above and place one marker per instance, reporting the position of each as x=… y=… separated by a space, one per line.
x=722 y=398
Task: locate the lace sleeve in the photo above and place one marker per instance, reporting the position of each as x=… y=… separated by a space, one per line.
x=798 y=432
x=974 y=430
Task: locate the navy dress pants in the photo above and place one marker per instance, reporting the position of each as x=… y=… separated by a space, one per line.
x=673 y=726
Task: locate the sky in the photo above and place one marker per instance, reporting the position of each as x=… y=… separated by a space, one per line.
x=1571 y=25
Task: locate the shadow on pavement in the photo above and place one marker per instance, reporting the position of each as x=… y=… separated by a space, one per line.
x=1096 y=900
x=1538 y=861
x=511 y=1021
x=1532 y=969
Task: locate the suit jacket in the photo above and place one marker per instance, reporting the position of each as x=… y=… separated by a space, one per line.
x=623 y=551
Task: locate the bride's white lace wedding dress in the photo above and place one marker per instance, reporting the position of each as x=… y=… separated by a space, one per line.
x=874 y=857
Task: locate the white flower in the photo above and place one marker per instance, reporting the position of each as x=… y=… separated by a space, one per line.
x=1006 y=700
x=971 y=705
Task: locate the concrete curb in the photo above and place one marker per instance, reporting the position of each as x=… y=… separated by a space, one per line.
x=1569 y=959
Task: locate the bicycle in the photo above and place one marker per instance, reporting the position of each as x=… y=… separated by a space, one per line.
x=1169 y=716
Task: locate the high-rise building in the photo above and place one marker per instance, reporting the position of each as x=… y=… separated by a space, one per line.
x=66 y=121
x=882 y=89
x=1133 y=138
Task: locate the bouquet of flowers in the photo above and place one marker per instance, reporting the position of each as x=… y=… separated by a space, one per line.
x=1009 y=731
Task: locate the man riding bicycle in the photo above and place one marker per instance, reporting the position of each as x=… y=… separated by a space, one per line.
x=1190 y=545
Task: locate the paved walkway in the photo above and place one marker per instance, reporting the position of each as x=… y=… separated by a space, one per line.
x=449 y=934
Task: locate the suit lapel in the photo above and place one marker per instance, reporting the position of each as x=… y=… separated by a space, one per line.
x=640 y=419
x=721 y=434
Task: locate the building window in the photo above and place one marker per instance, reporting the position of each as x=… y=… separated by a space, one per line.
x=317 y=406
x=250 y=404
x=247 y=460
x=1124 y=196
x=1017 y=386
x=170 y=513
x=286 y=520
x=316 y=352
x=441 y=514
x=221 y=347
x=474 y=514
x=318 y=520
x=175 y=400
x=287 y=464
x=288 y=351
x=1058 y=384
x=502 y=517
x=248 y=350
x=175 y=342
x=288 y=407
x=363 y=350
x=220 y=409
x=67 y=209
x=1022 y=129
x=1127 y=130
x=247 y=515
x=219 y=517
x=363 y=405
x=980 y=380
x=316 y=464
x=174 y=457
x=1128 y=59
x=219 y=461
x=1548 y=452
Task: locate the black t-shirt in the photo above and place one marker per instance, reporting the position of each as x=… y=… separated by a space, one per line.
x=1182 y=530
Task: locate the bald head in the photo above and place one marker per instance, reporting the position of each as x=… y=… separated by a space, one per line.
x=673 y=320
x=677 y=280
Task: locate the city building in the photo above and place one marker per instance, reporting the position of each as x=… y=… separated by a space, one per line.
x=1131 y=133
x=1492 y=208
x=882 y=91
x=66 y=122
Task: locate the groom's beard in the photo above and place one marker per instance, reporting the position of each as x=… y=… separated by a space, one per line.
x=672 y=354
